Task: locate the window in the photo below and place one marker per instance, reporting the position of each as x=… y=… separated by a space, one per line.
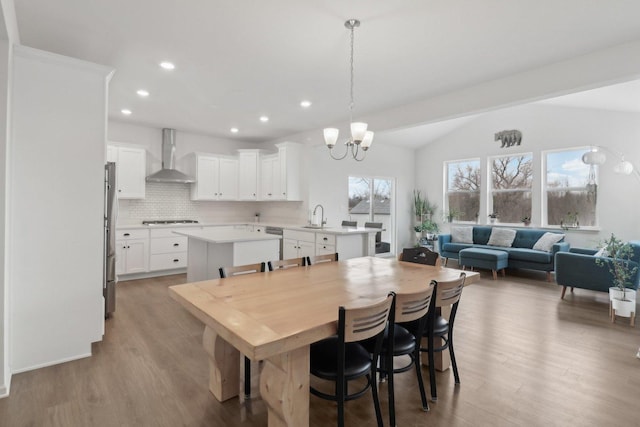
x=463 y=190
x=570 y=188
x=362 y=190
x=511 y=180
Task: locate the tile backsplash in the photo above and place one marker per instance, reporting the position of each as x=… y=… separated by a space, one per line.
x=172 y=201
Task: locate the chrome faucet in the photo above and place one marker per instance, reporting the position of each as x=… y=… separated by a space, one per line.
x=322 y=220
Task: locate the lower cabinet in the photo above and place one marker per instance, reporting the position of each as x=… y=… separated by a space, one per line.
x=297 y=244
x=132 y=251
x=168 y=250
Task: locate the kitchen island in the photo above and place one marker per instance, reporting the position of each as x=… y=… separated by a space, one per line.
x=210 y=249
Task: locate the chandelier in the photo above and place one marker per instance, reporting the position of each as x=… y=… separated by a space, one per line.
x=361 y=138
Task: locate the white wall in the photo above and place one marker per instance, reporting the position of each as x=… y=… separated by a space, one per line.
x=5 y=373
x=545 y=128
x=55 y=200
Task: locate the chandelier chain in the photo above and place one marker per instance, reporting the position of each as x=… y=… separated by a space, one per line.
x=352 y=103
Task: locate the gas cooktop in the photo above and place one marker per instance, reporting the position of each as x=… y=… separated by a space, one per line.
x=170 y=221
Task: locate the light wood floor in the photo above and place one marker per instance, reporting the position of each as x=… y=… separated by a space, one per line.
x=526 y=358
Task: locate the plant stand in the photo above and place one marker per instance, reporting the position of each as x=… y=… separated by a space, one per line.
x=620 y=307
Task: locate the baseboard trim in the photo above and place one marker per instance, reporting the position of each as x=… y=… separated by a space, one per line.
x=51 y=363
x=4 y=391
x=135 y=276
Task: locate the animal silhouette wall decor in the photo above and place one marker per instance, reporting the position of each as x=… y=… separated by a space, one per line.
x=509 y=138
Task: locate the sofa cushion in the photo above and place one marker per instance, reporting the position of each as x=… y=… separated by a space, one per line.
x=546 y=242
x=456 y=247
x=523 y=254
x=527 y=238
x=462 y=234
x=481 y=235
x=502 y=237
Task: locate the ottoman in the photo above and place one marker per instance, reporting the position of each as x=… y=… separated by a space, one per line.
x=490 y=259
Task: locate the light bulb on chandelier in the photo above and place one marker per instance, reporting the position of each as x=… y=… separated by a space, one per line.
x=361 y=138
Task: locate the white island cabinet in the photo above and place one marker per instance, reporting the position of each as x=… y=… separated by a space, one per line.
x=210 y=249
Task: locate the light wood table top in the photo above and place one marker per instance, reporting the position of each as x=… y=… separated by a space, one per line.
x=271 y=315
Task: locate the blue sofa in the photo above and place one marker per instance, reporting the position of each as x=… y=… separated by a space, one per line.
x=520 y=254
x=578 y=269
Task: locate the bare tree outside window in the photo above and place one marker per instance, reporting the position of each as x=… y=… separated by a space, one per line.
x=511 y=183
x=463 y=190
x=570 y=193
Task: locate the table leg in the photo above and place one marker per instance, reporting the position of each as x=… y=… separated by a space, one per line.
x=284 y=386
x=224 y=366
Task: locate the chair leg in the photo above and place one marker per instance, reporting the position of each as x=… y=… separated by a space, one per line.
x=495 y=275
x=432 y=372
x=564 y=290
x=423 y=395
x=341 y=385
x=247 y=377
x=390 y=385
x=445 y=261
x=374 y=392
x=454 y=365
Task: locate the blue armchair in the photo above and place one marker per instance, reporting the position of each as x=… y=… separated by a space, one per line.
x=578 y=269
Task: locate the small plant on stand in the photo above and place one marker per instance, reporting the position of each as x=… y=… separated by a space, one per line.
x=453 y=214
x=526 y=220
x=493 y=217
x=622 y=299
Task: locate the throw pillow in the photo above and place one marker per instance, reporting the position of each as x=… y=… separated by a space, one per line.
x=546 y=242
x=461 y=234
x=502 y=237
x=602 y=252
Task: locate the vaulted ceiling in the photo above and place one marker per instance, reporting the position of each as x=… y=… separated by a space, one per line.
x=236 y=60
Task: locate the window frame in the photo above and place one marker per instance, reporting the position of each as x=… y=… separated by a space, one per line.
x=446 y=192
x=491 y=191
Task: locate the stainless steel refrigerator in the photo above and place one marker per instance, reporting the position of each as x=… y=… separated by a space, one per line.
x=110 y=214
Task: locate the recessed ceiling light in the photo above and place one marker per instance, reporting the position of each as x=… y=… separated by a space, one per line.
x=234 y=130
x=167 y=65
x=305 y=104
x=264 y=119
x=126 y=111
x=143 y=93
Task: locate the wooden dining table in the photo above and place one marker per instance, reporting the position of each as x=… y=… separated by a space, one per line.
x=275 y=316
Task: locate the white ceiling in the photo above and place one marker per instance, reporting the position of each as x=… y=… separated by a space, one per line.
x=237 y=60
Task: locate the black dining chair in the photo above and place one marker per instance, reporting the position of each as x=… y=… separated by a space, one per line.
x=283 y=264
x=236 y=271
x=349 y=223
x=446 y=293
x=420 y=255
x=402 y=338
x=341 y=358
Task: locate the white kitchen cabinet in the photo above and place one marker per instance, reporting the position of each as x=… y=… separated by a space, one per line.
x=325 y=244
x=298 y=244
x=270 y=177
x=132 y=251
x=168 y=250
x=289 y=186
x=216 y=177
x=248 y=161
x=130 y=170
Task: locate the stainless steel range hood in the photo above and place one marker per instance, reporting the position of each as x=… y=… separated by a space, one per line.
x=168 y=173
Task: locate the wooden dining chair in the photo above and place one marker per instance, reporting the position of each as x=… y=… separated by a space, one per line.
x=446 y=293
x=341 y=358
x=349 y=223
x=236 y=271
x=318 y=259
x=241 y=269
x=409 y=320
x=420 y=255
x=283 y=264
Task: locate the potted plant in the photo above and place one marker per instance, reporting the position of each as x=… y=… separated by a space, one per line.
x=526 y=220
x=453 y=214
x=493 y=217
x=418 y=230
x=619 y=253
x=418 y=205
x=431 y=228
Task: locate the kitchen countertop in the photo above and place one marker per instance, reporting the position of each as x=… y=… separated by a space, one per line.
x=226 y=236
x=326 y=230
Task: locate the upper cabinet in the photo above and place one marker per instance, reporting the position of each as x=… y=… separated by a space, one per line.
x=270 y=178
x=248 y=161
x=216 y=177
x=130 y=170
x=290 y=162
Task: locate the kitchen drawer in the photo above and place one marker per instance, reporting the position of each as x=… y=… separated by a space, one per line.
x=169 y=232
x=322 y=249
x=305 y=236
x=328 y=239
x=168 y=261
x=133 y=233
x=165 y=245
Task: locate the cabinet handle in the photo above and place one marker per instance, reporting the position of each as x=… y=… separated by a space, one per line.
x=127 y=234
x=119 y=191
x=325 y=239
x=176 y=260
x=176 y=244
x=268 y=194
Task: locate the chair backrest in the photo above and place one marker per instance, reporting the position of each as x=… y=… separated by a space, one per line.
x=312 y=260
x=375 y=225
x=286 y=263
x=349 y=223
x=413 y=306
x=360 y=323
x=420 y=255
x=241 y=269
x=448 y=292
